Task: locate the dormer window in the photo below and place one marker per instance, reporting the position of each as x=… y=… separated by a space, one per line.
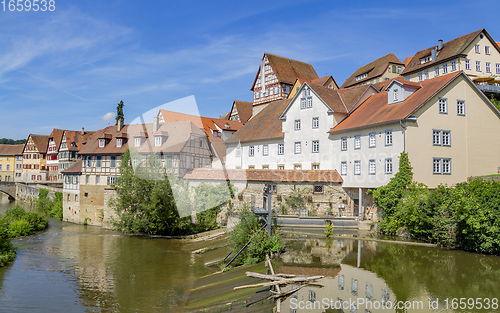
x=101 y=143
x=118 y=142
x=137 y=142
x=360 y=77
x=157 y=141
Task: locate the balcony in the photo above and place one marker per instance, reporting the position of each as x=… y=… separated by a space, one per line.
x=489 y=88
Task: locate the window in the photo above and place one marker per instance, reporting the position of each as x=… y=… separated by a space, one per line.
x=101 y=143
x=488 y=67
x=298 y=147
x=251 y=151
x=1 y=167
x=238 y=151
x=420 y=76
x=302 y=103
x=478 y=66
x=315 y=122
x=436 y=137
x=309 y=102
x=189 y=161
x=88 y=161
x=281 y=148
x=297 y=124
x=312 y=295
x=446 y=166
x=354 y=287
x=97 y=180
x=460 y=107
x=87 y=179
x=315 y=166
x=372 y=167
x=388 y=137
x=168 y=161
x=76 y=197
x=192 y=142
x=477 y=48
x=453 y=65
x=369 y=291
x=357 y=142
x=276 y=90
x=372 y=140
x=436 y=166
x=265 y=149
x=201 y=143
x=395 y=96
x=69 y=199
x=8 y=167
x=341 y=282
x=441 y=137
x=357 y=167
x=157 y=141
x=446 y=137
x=315 y=146
x=467 y=64
x=443 y=105
x=112 y=163
x=318 y=188
x=343 y=168
x=388 y=166
x=436 y=70
x=257 y=94
x=487 y=49
x=98 y=160
x=281 y=166
x=297 y=166
x=343 y=143
x=135 y=161
x=498 y=68
x=137 y=142
x=445 y=68
x=426 y=75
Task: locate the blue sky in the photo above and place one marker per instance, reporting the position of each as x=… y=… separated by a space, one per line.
x=70 y=67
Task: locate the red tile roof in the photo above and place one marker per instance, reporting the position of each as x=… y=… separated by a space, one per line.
x=57 y=135
x=41 y=142
x=373 y=69
x=450 y=50
x=92 y=146
x=265 y=125
x=76 y=137
x=76 y=168
x=244 y=109
x=327 y=176
x=376 y=109
x=11 y=149
x=407 y=60
x=288 y=70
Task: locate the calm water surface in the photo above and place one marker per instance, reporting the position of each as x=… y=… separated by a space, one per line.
x=75 y=268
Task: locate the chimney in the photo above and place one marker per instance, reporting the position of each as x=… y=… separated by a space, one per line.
x=440 y=44
x=83 y=131
x=434 y=54
x=119 y=125
x=155 y=123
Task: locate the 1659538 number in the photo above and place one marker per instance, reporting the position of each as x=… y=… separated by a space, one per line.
x=28 y=5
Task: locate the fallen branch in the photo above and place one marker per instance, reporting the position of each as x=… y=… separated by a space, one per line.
x=276 y=277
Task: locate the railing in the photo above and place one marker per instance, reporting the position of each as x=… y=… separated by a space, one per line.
x=489 y=88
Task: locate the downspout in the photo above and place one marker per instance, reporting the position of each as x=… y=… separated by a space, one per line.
x=404 y=135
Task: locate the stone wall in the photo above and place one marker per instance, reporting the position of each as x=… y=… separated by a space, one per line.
x=71 y=206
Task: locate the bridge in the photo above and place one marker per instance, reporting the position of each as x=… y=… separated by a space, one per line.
x=8 y=188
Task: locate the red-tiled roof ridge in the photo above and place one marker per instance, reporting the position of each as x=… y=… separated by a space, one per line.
x=450 y=50
x=76 y=168
x=327 y=176
x=288 y=70
x=374 y=69
x=265 y=125
x=376 y=109
x=11 y=149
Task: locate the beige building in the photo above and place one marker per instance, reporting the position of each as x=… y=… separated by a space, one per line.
x=35 y=159
x=71 y=192
x=380 y=70
x=10 y=162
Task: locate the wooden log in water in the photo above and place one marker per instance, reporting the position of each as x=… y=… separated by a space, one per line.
x=276 y=278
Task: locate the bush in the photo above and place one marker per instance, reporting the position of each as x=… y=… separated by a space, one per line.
x=261 y=245
x=50 y=207
x=6 y=250
x=19 y=228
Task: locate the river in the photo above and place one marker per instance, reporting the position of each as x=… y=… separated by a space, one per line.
x=76 y=268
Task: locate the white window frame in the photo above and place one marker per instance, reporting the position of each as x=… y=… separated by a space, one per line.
x=488 y=67
x=357 y=167
x=467 y=64
x=343 y=168
x=436 y=70
x=372 y=167
x=478 y=66
x=487 y=50
x=426 y=74
x=445 y=68
x=112 y=159
x=297 y=125
x=343 y=144
x=461 y=107
x=372 y=142
x=297 y=147
x=118 y=142
x=443 y=105
x=238 y=152
x=357 y=142
x=453 y=65
x=436 y=137
x=388 y=166
x=315 y=146
x=251 y=151
x=157 y=141
x=446 y=138
x=395 y=96
x=265 y=150
x=281 y=148
x=388 y=137
x=497 y=68
x=315 y=122
x=477 y=48
x=446 y=166
x=101 y=143
x=436 y=166
x=138 y=141
x=420 y=76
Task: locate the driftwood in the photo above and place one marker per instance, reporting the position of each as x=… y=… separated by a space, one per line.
x=287 y=280
x=286 y=294
x=273 y=283
x=278 y=289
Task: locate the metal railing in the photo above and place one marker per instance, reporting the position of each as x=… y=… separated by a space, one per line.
x=489 y=88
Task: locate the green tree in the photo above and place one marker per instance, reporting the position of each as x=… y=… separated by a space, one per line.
x=6 y=250
x=296 y=199
x=495 y=101
x=119 y=112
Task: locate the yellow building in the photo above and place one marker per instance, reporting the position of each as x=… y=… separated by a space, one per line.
x=10 y=162
x=380 y=70
x=35 y=159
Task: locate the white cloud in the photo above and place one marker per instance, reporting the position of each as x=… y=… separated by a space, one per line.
x=108 y=116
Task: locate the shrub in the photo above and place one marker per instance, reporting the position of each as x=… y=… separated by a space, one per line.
x=19 y=228
x=6 y=250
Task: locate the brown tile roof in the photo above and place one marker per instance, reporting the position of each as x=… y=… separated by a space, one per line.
x=382 y=85
x=407 y=60
x=450 y=50
x=76 y=137
x=92 y=146
x=57 y=135
x=331 y=97
x=326 y=176
x=205 y=123
x=323 y=80
x=374 y=69
x=227 y=125
x=352 y=95
x=76 y=168
x=265 y=125
x=376 y=109
x=41 y=142
x=244 y=109
x=288 y=70
x=11 y=149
